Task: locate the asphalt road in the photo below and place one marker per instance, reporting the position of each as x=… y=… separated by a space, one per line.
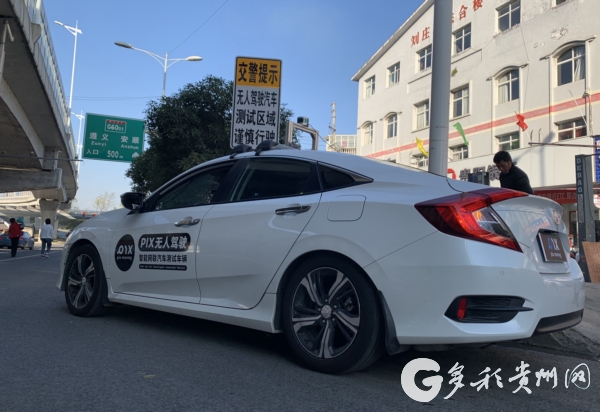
x=137 y=359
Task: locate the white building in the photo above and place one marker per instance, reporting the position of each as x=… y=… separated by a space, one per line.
x=538 y=58
x=342 y=143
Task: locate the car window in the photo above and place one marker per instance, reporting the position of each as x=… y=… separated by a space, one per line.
x=333 y=179
x=269 y=178
x=194 y=191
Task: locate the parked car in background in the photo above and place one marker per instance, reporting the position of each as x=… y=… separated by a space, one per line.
x=25 y=241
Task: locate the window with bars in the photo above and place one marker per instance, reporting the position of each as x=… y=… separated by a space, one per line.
x=462 y=39
x=508 y=87
x=509 y=141
x=368 y=133
x=392 y=126
x=571 y=65
x=422 y=111
x=424 y=57
x=460 y=152
x=509 y=15
x=394 y=74
x=571 y=129
x=460 y=102
x=421 y=160
x=369 y=87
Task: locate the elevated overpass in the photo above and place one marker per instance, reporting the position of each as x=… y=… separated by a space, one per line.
x=35 y=127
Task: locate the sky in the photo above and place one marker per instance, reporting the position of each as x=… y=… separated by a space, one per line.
x=322 y=44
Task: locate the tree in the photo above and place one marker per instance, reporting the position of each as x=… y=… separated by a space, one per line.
x=104 y=202
x=74 y=206
x=186 y=129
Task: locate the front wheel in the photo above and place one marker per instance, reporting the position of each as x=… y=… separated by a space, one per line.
x=86 y=285
x=331 y=316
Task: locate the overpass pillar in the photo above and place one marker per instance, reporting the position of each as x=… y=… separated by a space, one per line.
x=49 y=208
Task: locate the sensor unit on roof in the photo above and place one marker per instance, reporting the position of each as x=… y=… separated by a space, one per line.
x=240 y=148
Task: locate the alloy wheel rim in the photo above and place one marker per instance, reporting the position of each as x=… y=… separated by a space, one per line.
x=325 y=313
x=81 y=282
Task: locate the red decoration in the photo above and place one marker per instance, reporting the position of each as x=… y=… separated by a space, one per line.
x=415 y=40
x=477 y=4
x=521 y=122
x=463 y=12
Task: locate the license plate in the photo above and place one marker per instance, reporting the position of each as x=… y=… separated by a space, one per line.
x=552 y=247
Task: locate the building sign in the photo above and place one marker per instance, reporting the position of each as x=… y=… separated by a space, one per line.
x=117 y=139
x=256 y=101
x=491 y=169
x=462 y=14
x=563 y=197
x=597 y=157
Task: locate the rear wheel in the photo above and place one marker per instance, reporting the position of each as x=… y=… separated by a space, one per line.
x=331 y=316
x=86 y=285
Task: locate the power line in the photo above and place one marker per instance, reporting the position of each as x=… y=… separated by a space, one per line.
x=199 y=27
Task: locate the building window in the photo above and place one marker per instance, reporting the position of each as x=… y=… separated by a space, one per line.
x=394 y=74
x=559 y=2
x=368 y=133
x=392 y=126
x=369 y=87
x=462 y=39
x=424 y=58
x=509 y=15
x=422 y=115
x=460 y=102
x=460 y=152
x=508 y=87
x=509 y=142
x=571 y=129
x=571 y=65
x=421 y=160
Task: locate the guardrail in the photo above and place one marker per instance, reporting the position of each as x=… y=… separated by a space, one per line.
x=32 y=11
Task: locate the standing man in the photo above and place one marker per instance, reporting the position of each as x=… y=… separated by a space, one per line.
x=14 y=233
x=46 y=234
x=511 y=177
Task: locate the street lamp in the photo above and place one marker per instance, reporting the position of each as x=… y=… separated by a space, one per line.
x=74 y=31
x=164 y=61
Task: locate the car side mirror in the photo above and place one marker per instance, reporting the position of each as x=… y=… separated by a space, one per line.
x=132 y=200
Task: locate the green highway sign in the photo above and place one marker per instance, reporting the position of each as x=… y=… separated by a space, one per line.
x=117 y=139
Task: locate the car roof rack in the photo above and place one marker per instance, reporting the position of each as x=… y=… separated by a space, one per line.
x=240 y=148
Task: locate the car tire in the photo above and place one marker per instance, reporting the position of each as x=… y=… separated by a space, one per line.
x=85 y=288
x=331 y=316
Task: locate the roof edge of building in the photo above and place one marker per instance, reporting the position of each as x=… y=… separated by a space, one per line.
x=393 y=39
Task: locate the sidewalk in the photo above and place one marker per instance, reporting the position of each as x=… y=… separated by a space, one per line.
x=583 y=339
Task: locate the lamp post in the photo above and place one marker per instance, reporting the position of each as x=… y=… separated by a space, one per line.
x=74 y=31
x=164 y=61
x=79 y=146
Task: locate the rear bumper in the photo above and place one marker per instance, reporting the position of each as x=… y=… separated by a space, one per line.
x=420 y=281
x=560 y=322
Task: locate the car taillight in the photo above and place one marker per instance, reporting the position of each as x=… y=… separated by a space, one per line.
x=469 y=215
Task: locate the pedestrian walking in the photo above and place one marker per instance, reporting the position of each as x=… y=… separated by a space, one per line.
x=511 y=177
x=47 y=234
x=14 y=233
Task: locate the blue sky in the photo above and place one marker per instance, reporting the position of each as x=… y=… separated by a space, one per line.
x=322 y=43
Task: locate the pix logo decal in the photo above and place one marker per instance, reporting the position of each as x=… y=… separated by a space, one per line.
x=125 y=253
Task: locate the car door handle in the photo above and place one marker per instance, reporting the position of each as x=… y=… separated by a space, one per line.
x=293 y=209
x=187 y=221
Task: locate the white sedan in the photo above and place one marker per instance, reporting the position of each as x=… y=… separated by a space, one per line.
x=347 y=256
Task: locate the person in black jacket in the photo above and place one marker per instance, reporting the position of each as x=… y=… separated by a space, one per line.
x=511 y=177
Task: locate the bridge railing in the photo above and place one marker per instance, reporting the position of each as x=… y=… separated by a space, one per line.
x=32 y=11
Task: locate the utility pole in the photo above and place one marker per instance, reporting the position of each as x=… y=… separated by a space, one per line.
x=332 y=142
x=440 y=87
